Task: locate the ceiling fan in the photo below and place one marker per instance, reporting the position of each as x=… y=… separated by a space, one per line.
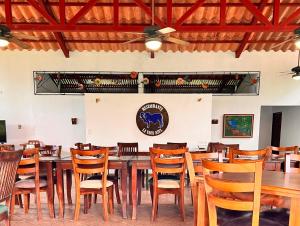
x=154 y=35
x=295 y=38
x=295 y=71
x=6 y=36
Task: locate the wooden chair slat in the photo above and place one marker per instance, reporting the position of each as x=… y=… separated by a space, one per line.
x=231 y=204
x=229 y=186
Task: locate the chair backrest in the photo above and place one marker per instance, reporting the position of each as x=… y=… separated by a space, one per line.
x=112 y=150
x=218 y=182
x=281 y=151
x=288 y=159
x=36 y=143
x=180 y=145
x=30 y=163
x=246 y=156
x=81 y=146
x=90 y=162
x=128 y=149
x=166 y=146
x=211 y=146
x=9 y=161
x=7 y=147
x=51 y=150
x=167 y=162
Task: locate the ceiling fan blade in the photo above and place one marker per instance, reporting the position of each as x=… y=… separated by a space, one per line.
x=176 y=40
x=281 y=43
x=19 y=43
x=24 y=36
x=166 y=30
x=133 y=40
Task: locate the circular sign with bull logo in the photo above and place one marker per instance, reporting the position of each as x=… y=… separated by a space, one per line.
x=152 y=119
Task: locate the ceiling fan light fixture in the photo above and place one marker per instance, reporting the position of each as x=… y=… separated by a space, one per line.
x=296 y=76
x=3 y=42
x=297 y=43
x=153 y=44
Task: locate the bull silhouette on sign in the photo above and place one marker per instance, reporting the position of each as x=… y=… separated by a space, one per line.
x=152 y=118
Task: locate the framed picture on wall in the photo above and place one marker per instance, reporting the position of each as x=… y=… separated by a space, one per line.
x=238 y=125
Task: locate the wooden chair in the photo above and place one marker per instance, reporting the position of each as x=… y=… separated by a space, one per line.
x=180 y=145
x=288 y=166
x=214 y=183
x=173 y=164
x=51 y=150
x=87 y=163
x=246 y=156
x=7 y=147
x=112 y=151
x=194 y=166
x=31 y=144
x=128 y=149
x=166 y=146
x=29 y=166
x=282 y=151
x=9 y=161
x=81 y=146
x=219 y=147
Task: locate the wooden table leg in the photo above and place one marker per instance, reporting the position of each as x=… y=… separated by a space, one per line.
x=294 y=212
x=69 y=186
x=202 y=213
x=124 y=189
x=133 y=189
x=50 y=192
x=60 y=189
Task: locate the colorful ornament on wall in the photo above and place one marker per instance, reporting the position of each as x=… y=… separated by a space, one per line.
x=157 y=83
x=134 y=74
x=97 y=81
x=204 y=85
x=80 y=86
x=39 y=78
x=180 y=81
x=145 y=81
x=253 y=81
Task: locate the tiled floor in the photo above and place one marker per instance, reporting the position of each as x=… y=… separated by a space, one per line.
x=168 y=214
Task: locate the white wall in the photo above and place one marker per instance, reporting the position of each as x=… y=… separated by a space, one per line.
x=265 y=129
x=20 y=106
x=113 y=119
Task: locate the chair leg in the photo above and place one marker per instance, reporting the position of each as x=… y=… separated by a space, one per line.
x=19 y=200
x=85 y=204
x=90 y=201
x=12 y=205
x=151 y=193
x=143 y=178
x=212 y=213
x=104 y=204
x=26 y=203
x=95 y=198
x=154 y=206
x=116 y=185
x=38 y=203
x=111 y=200
x=181 y=200
x=147 y=179
x=130 y=189
x=77 y=206
x=7 y=220
x=50 y=204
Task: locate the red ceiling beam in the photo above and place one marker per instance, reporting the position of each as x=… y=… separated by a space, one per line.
x=116 y=12
x=276 y=11
x=247 y=36
x=140 y=27
x=222 y=12
x=42 y=11
x=8 y=12
x=82 y=11
x=169 y=12
x=142 y=42
x=257 y=13
x=188 y=13
x=164 y=5
x=58 y=35
x=148 y=11
x=292 y=17
x=62 y=11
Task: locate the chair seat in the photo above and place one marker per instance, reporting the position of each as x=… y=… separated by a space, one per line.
x=30 y=183
x=94 y=184
x=168 y=183
x=3 y=209
x=247 y=221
